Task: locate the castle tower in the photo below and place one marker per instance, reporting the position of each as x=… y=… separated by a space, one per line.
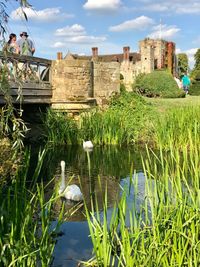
x=147 y=55
x=171 y=60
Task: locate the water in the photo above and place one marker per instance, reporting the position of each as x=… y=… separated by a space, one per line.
x=113 y=165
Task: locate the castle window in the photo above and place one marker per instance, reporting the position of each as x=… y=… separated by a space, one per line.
x=145 y=58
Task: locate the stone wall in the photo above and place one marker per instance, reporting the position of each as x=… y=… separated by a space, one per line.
x=78 y=80
x=71 y=80
x=106 y=80
x=130 y=72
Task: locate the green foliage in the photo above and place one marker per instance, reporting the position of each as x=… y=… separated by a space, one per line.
x=197 y=60
x=122 y=87
x=182 y=63
x=157 y=84
x=125 y=121
x=178 y=127
x=195 y=74
x=11 y=123
x=195 y=88
x=60 y=128
x=161 y=231
x=26 y=238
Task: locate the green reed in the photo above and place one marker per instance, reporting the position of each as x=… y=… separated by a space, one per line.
x=125 y=121
x=164 y=229
x=103 y=128
x=26 y=237
x=178 y=126
x=60 y=128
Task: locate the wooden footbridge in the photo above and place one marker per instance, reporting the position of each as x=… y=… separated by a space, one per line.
x=29 y=79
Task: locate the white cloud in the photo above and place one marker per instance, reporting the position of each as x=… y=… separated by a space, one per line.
x=164 y=31
x=76 y=34
x=44 y=15
x=155 y=7
x=102 y=5
x=87 y=39
x=58 y=45
x=81 y=40
x=175 y=6
x=139 y=23
x=74 y=30
x=189 y=8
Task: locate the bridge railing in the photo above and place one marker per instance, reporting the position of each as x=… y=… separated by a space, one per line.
x=26 y=68
x=28 y=77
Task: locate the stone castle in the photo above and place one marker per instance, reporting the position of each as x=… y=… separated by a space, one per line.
x=96 y=77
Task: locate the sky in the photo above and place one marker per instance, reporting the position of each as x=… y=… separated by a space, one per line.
x=76 y=26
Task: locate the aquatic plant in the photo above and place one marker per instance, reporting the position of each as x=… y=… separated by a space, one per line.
x=26 y=236
x=124 y=122
x=60 y=128
x=164 y=229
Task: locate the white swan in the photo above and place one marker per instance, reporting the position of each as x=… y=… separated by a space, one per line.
x=87 y=145
x=71 y=192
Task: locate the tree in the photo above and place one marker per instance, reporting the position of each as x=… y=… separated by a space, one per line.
x=183 y=65
x=197 y=60
x=4 y=16
x=11 y=122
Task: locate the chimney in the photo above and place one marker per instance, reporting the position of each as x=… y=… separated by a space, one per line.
x=59 y=55
x=94 y=52
x=126 y=50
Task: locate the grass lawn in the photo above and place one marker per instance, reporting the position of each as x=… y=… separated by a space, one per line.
x=163 y=104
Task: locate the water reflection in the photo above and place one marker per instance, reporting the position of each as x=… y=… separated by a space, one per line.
x=112 y=164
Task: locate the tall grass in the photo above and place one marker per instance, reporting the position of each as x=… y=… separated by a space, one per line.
x=26 y=237
x=178 y=126
x=104 y=128
x=165 y=229
x=125 y=121
x=60 y=128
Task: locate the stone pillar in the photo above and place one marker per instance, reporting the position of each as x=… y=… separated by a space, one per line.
x=59 y=55
x=126 y=51
x=94 y=52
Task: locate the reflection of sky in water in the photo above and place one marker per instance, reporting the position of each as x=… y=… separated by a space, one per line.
x=74 y=245
x=113 y=165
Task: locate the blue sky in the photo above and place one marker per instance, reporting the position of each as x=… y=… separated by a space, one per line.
x=78 y=25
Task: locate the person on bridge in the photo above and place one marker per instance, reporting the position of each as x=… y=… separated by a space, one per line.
x=11 y=46
x=26 y=46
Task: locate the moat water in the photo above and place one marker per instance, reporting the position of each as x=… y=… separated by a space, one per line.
x=112 y=164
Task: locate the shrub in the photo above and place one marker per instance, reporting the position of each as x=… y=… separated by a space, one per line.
x=157 y=84
x=195 y=88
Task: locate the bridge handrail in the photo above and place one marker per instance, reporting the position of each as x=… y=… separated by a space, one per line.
x=23 y=58
x=29 y=67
